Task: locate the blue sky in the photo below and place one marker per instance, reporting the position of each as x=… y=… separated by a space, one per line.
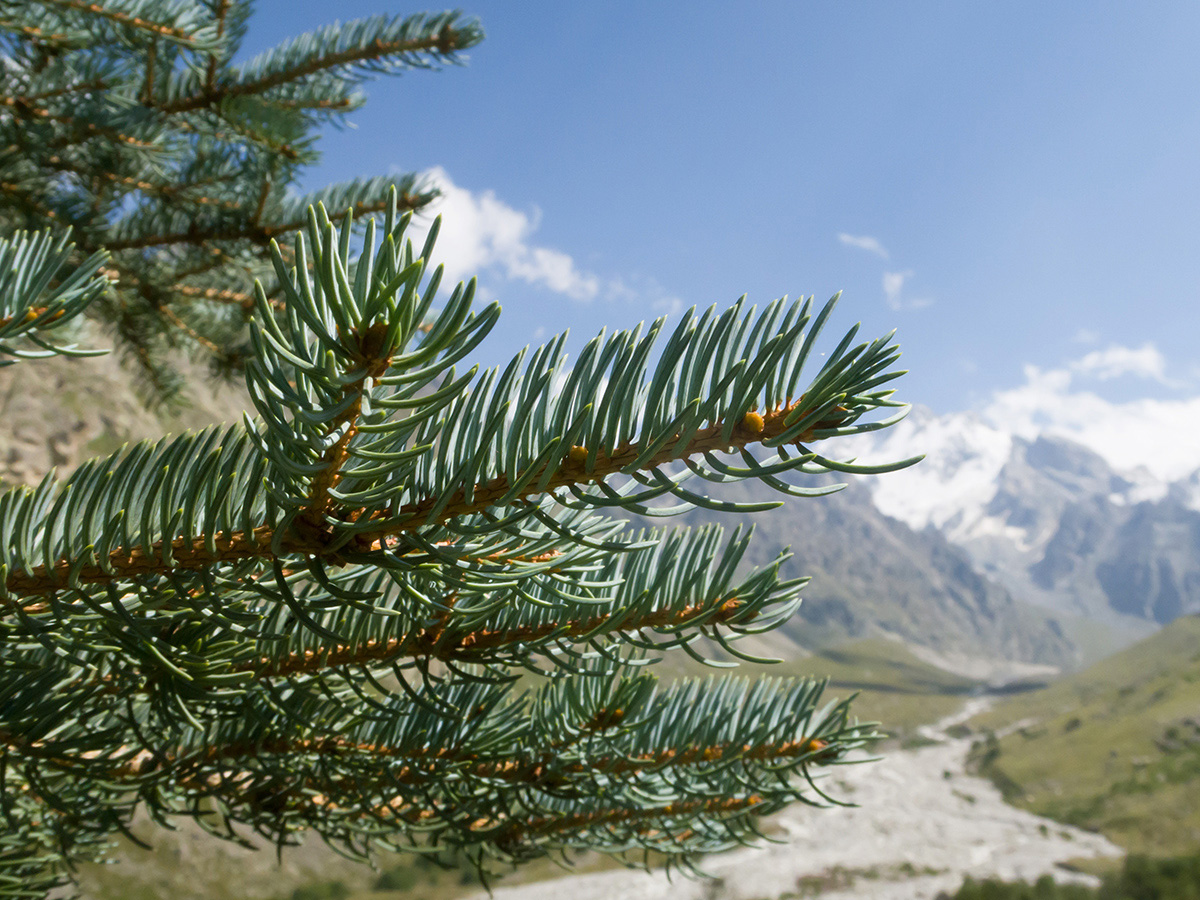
x=1014 y=186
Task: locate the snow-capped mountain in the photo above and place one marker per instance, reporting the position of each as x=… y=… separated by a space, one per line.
x=954 y=487
x=1054 y=521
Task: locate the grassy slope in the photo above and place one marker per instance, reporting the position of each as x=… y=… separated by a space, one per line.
x=1115 y=748
x=894 y=687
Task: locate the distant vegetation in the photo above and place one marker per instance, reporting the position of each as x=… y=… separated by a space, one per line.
x=1115 y=748
x=894 y=687
x=415 y=877
x=1141 y=878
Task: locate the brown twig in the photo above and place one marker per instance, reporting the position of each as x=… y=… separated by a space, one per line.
x=210 y=74
x=170 y=316
x=125 y=19
x=91 y=128
x=430 y=641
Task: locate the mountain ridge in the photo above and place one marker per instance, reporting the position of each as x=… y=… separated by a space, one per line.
x=1051 y=519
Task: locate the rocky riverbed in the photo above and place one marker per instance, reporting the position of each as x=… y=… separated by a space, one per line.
x=920 y=825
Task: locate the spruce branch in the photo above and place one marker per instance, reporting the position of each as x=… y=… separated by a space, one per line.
x=411 y=42
x=80 y=129
x=42 y=290
x=660 y=596
x=30 y=100
x=187 y=28
x=498 y=752
x=337 y=514
x=34 y=33
x=256 y=233
x=265 y=541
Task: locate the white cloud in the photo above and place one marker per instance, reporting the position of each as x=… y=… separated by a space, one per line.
x=864 y=242
x=646 y=291
x=1163 y=435
x=1144 y=361
x=479 y=231
x=893 y=282
x=1086 y=336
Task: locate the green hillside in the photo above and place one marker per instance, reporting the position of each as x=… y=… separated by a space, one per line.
x=894 y=687
x=1115 y=748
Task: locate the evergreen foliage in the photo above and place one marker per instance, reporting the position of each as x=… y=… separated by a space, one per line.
x=320 y=618
x=130 y=122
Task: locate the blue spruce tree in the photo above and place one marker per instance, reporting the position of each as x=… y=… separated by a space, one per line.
x=316 y=619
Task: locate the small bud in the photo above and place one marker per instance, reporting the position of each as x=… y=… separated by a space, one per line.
x=728 y=609
x=578 y=455
x=753 y=423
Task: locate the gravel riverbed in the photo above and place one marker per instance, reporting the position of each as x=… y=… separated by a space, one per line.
x=920 y=826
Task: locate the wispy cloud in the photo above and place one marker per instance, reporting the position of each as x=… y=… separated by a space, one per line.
x=644 y=290
x=864 y=242
x=481 y=232
x=893 y=292
x=893 y=282
x=1144 y=362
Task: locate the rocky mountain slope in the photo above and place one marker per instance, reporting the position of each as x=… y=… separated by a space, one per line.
x=874 y=575
x=61 y=411
x=1051 y=520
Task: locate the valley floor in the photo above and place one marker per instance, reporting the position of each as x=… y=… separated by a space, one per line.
x=920 y=826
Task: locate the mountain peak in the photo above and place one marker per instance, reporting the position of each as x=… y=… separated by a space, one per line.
x=1050 y=517
x=966 y=455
